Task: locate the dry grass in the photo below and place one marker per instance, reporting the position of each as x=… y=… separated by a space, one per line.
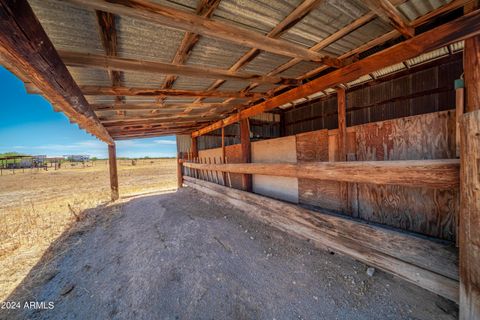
x=36 y=207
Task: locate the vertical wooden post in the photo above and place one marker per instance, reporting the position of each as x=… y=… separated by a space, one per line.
x=194 y=148
x=459 y=110
x=246 y=153
x=112 y=160
x=342 y=141
x=179 y=171
x=224 y=174
x=469 y=216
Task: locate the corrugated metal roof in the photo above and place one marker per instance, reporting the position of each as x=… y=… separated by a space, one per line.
x=355 y=39
x=86 y=76
x=413 y=9
x=190 y=83
x=329 y=17
x=144 y=40
x=141 y=79
x=215 y=53
x=258 y=15
x=69 y=27
x=264 y=63
x=388 y=70
x=429 y=56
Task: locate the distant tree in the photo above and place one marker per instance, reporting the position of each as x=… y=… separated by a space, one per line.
x=146 y=157
x=94 y=158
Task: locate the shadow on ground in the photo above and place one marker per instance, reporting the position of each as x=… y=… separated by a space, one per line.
x=183 y=255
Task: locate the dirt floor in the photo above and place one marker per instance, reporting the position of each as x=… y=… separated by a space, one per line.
x=171 y=256
x=37 y=206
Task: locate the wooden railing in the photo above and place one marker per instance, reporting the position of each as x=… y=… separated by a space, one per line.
x=440 y=174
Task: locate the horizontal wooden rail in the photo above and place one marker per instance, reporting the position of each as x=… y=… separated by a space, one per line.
x=427 y=263
x=442 y=174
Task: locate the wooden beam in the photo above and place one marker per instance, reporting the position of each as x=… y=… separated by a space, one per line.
x=441 y=174
x=342 y=124
x=112 y=163
x=459 y=29
x=469 y=218
x=168 y=120
x=294 y=17
x=27 y=48
x=155 y=106
x=194 y=148
x=108 y=35
x=179 y=172
x=78 y=59
x=388 y=12
x=246 y=152
x=154 y=92
x=205 y=9
x=186 y=21
x=421 y=261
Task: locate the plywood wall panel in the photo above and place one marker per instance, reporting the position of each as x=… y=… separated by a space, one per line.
x=233 y=154
x=275 y=150
x=426 y=211
x=318 y=146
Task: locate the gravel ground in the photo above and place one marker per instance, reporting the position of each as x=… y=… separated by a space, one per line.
x=170 y=256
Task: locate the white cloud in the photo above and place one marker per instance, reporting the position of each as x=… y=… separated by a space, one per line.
x=163 y=141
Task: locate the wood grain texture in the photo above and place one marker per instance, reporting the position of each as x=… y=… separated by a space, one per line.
x=233 y=154
x=469 y=226
x=112 y=165
x=427 y=211
x=417 y=260
x=314 y=146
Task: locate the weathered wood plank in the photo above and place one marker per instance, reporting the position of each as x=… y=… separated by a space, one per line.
x=112 y=165
x=27 y=48
x=246 y=152
x=443 y=174
x=469 y=219
x=78 y=59
x=425 y=263
x=388 y=12
x=154 y=92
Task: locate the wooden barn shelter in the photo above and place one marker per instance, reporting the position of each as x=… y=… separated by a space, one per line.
x=354 y=124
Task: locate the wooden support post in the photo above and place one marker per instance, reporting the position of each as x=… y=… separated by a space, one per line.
x=179 y=171
x=246 y=152
x=459 y=110
x=469 y=218
x=224 y=177
x=112 y=160
x=342 y=140
x=194 y=148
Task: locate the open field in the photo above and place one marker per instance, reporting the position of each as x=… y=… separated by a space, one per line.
x=37 y=206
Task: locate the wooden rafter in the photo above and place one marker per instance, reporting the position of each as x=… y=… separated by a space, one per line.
x=122 y=64
x=108 y=36
x=455 y=4
x=153 y=92
x=457 y=30
x=295 y=16
x=388 y=12
x=155 y=106
x=205 y=9
x=186 y=21
x=27 y=48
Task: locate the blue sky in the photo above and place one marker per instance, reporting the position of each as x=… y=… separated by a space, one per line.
x=29 y=125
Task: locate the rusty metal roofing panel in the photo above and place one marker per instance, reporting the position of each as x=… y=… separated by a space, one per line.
x=213 y=100
x=329 y=17
x=177 y=100
x=355 y=39
x=69 y=27
x=388 y=70
x=185 y=5
x=100 y=99
x=429 y=56
x=191 y=83
x=300 y=69
x=144 y=40
x=264 y=63
x=257 y=15
x=143 y=79
x=215 y=53
x=413 y=9
x=263 y=87
x=233 y=85
x=87 y=76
